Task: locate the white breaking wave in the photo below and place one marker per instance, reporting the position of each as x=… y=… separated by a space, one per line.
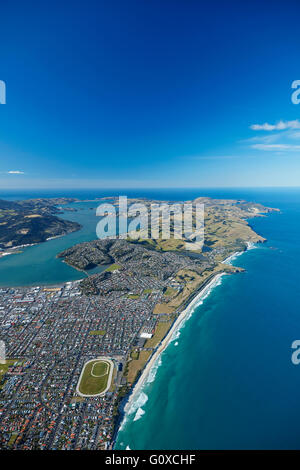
x=141 y=401
x=142 y=397
x=140 y=412
x=194 y=305
x=250 y=246
x=135 y=406
x=232 y=257
x=216 y=282
x=175 y=335
x=153 y=371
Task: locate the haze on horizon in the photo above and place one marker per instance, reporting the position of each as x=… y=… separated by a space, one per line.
x=167 y=93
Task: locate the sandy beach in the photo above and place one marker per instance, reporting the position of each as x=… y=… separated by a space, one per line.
x=176 y=326
x=167 y=339
x=14 y=249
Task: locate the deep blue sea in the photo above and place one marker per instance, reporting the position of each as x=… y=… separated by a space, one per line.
x=226 y=381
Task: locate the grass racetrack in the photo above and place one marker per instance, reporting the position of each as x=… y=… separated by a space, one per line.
x=94 y=377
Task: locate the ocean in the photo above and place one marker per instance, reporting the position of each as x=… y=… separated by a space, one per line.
x=226 y=381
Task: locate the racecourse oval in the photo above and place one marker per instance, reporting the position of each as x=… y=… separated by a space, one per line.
x=95 y=378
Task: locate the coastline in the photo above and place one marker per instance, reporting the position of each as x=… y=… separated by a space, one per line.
x=167 y=340
x=250 y=246
x=178 y=323
x=15 y=249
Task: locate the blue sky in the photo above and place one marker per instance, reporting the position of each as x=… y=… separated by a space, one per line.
x=160 y=93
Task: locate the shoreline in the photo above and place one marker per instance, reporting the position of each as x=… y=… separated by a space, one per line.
x=250 y=246
x=183 y=316
x=166 y=341
x=14 y=250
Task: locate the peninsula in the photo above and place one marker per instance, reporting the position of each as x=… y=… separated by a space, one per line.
x=61 y=338
x=32 y=221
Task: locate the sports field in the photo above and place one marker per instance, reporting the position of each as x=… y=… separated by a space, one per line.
x=95 y=377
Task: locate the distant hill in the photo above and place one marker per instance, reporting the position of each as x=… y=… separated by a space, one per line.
x=32 y=221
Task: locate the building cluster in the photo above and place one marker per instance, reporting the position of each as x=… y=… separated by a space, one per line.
x=49 y=334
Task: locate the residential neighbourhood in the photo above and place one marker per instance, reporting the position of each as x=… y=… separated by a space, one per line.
x=50 y=333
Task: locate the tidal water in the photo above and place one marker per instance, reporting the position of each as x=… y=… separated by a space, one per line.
x=226 y=381
x=38 y=264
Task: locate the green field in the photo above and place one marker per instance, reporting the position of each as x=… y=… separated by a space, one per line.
x=100 y=369
x=170 y=291
x=134 y=355
x=113 y=267
x=4 y=368
x=95 y=377
x=133 y=296
x=97 y=332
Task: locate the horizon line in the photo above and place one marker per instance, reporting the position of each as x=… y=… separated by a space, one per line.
x=112 y=188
